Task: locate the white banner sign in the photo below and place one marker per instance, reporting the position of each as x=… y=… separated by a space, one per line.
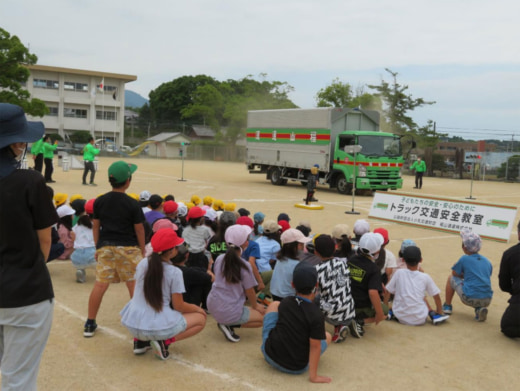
x=490 y=221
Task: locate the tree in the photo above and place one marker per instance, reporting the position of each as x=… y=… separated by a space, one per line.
x=14 y=58
x=339 y=94
x=398 y=104
x=169 y=99
x=225 y=104
x=510 y=169
x=80 y=136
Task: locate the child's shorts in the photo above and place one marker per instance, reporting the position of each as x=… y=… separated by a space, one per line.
x=457 y=284
x=117 y=263
x=83 y=258
x=369 y=312
x=159 y=335
x=270 y=320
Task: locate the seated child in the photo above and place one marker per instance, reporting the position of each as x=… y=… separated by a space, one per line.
x=294 y=336
x=148 y=315
x=84 y=247
x=234 y=283
x=408 y=286
x=366 y=281
x=197 y=282
x=471 y=278
x=336 y=301
x=281 y=282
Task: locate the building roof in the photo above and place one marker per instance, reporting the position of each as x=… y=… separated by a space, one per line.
x=125 y=78
x=203 y=131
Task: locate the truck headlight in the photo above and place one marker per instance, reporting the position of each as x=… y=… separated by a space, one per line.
x=362 y=171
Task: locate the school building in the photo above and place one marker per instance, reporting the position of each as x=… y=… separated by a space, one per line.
x=80 y=99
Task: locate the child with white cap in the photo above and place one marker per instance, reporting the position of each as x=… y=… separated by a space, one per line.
x=67 y=236
x=292 y=243
x=361 y=227
x=409 y=285
x=234 y=283
x=471 y=278
x=366 y=281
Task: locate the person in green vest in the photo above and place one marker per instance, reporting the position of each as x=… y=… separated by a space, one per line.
x=420 y=168
x=48 y=155
x=37 y=152
x=89 y=153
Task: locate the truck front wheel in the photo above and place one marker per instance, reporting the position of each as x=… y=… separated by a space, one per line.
x=276 y=177
x=343 y=186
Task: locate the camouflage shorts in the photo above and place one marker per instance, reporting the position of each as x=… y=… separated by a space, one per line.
x=117 y=263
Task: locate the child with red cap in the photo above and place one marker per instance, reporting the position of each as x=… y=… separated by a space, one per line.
x=148 y=315
x=197 y=236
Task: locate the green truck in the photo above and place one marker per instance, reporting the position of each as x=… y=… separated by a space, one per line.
x=345 y=143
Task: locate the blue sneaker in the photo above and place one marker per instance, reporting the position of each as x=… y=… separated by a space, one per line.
x=447 y=309
x=438 y=318
x=481 y=314
x=391 y=315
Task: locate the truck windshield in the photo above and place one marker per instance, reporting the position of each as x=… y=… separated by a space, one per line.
x=380 y=146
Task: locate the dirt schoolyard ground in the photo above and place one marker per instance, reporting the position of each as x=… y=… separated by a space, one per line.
x=458 y=355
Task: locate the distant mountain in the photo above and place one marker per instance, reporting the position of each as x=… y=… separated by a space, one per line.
x=133 y=99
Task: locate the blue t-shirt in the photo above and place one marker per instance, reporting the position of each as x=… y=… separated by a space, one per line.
x=281 y=282
x=268 y=250
x=476 y=271
x=252 y=250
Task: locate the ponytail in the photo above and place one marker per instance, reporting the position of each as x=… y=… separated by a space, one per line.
x=153 y=282
x=85 y=221
x=232 y=264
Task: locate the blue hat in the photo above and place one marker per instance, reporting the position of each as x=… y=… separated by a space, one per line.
x=14 y=127
x=258 y=217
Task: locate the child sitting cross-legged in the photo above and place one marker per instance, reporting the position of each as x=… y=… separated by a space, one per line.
x=408 y=285
x=294 y=336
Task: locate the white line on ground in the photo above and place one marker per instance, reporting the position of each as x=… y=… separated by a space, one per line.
x=196 y=367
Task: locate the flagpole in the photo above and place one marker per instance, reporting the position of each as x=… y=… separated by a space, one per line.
x=103 y=113
x=115 y=117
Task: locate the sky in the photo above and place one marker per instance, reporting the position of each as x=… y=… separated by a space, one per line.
x=462 y=54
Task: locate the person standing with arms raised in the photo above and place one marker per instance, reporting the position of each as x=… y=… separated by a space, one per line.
x=89 y=153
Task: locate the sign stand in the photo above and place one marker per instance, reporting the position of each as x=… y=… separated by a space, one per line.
x=182 y=153
x=353 y=149
x=472 y=159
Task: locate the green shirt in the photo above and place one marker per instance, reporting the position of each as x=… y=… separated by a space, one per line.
x=37 y=147
x=89 y=152
x=419 y=166
x=48 y=150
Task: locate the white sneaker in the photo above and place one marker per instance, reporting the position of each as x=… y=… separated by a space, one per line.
x=81 y=276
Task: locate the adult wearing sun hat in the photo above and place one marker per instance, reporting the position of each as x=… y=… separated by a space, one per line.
x=27 y=297
x=366 y=280
x=118 y=229
x=470 y=278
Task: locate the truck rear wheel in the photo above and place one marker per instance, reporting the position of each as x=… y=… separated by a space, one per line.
x=276 y=177
x=343 y=186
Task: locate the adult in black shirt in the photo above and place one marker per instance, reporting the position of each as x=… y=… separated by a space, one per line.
x=509 y=281
x=26 y=217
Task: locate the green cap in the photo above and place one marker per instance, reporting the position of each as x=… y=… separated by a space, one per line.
x=121 y=171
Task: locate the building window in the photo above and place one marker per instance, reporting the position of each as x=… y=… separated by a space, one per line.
x=106 y=115
x=41 y=83
x=53 y=111
x=72 y=86
x=75 y=113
